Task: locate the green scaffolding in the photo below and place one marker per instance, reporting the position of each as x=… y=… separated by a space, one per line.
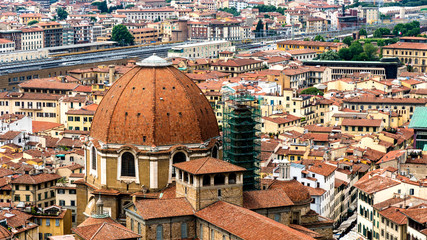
x=241 y=135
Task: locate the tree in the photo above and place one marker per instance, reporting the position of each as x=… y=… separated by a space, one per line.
x=93 y=19
x=380 y=32
x=356 y=48
x=319 y=38
x=329 y=55
x=348 y=40
x=32 y=22
x=130 y=6
x=370 y=51
x=363 y=32
x=307 y=39
x=122 y=35
x=312 y=91
x=61 y=14
x=231 y=10
x=102 y=6
x=407 y=29
x=259 y=29
x=266 y=29
x=345 y=54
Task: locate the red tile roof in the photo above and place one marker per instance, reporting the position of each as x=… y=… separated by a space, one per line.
x=293 y=189
x=104 y=229
x=35 y=179
x=208 y=165
x=40 y=126
x=375 y=184
x=246 y=224
x=417 y=214
x=266 y=199
x=163 y=208
x=361 y=122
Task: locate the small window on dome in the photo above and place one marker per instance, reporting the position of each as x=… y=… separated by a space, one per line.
x=128 y=165
x=93 y=152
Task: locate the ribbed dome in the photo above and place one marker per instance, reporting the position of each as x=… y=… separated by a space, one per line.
x=154 y=105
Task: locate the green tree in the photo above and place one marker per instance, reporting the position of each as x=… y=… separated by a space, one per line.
x=93 y=19
x=345 y=54
x=356 y=48
x=102 y=6
x=312 y=91
x=231 y=10
x=380 y=32
x=32 y=22
x=363 y=32
x=348 y=40
x=61 y=14
x=307 y=39
x=370 y=51
x=361 y=57
x=329 y=55
x=130 y=6
x=407 y=29
x=122 y=35
x=319 y=38
x=259 y=30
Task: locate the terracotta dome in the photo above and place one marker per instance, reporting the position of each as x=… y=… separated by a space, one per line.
x=154 y=104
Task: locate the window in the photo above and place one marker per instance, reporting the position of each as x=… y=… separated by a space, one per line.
x=17 y=187
x=61 y=203
x=57 y=222
x=139 y=228
x=201 y=232
x=219 y=179
x=219 y=193
x=128 y=165
x=277 y=217
x=159 y=232
x=232 y=178
x=27 y=198
x=184 y=230
x=47 y=222
x=131 y=224
x=73 y=203
x=93 y=158
x=72 y=191
x=411 y=191
x=206 y=180
x=177 y=158
x=27 y=187
x=212 y=234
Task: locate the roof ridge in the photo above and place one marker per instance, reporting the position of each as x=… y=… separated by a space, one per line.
x=206 y=159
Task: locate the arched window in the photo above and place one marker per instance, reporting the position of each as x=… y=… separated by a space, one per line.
x=128 y=165
x=215 y=152
x=232 y=178
x=177 y=158
x=93 y=152
x=206 y=180
x=219 y=179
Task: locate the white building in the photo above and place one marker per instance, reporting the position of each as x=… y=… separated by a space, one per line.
x=15 y=122
x=6 y=45
x=320 y=180
x=32 y=39
x=151 y=14
x=201 y=50
x=378 y=186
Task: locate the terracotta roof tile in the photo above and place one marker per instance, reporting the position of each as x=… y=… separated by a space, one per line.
x=35 y=179
x=246 y=224
x=293 y=189
x=266 y=199
x=163 y=208
x=208 y=165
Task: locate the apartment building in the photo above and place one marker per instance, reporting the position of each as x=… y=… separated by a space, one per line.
x=319 y=47
x=214 y=30
x=12 y=35
x=53 y=220
x=34 y=190
x=411 y=53
x=316 y=25
x=6 y=45
x=32 y=38
x=81 y=119
x=151 y=14
x=236 y=66
x=403 y=106
x=52 y=32
x=201 y=50
x=38 y=106
x=145 y=35
x=83 y=33
x=320 y=181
